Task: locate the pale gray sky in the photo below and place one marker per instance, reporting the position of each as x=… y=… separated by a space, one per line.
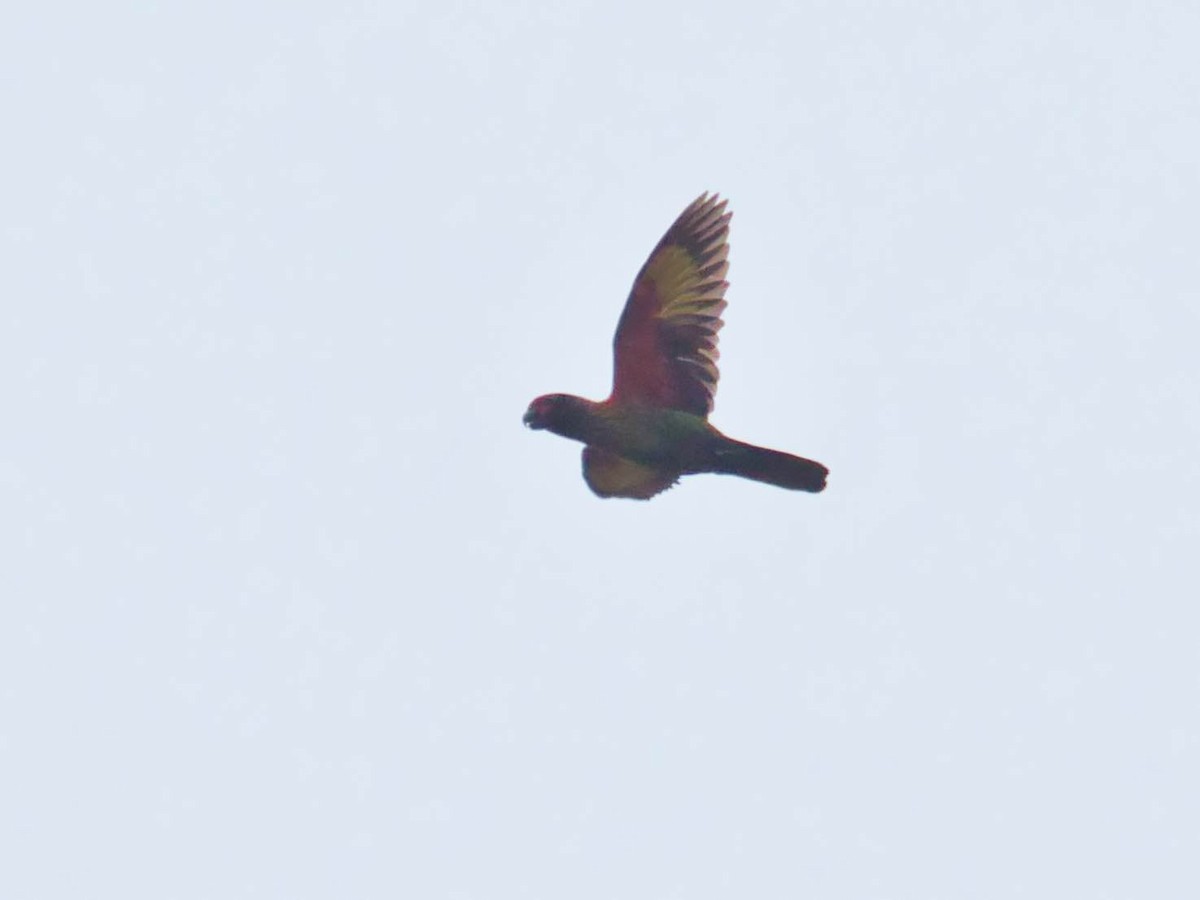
x=293 y=605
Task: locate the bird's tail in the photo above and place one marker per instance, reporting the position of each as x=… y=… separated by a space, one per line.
x=771 y=467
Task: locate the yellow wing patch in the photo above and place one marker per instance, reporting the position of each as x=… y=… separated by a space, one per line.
x=610 y=475
x=687 y=285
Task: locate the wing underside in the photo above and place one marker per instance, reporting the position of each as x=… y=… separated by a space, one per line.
x=665 y=349
x=610 y=475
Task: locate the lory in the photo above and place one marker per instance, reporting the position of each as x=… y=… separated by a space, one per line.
x=654 y=427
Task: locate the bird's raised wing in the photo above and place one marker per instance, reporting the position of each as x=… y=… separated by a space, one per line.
x=665 y=349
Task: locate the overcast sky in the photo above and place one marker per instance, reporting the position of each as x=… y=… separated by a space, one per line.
x=293 y=606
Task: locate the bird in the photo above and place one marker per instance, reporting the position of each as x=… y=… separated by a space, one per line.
x=653 y=428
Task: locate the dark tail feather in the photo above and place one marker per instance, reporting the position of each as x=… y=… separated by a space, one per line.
x=772 y=467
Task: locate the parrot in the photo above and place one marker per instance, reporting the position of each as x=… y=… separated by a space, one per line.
x=653 y=428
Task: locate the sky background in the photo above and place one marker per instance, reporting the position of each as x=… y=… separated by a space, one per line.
x=294 y=607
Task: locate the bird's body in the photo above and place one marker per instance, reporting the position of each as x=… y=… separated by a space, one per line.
x=645 y=434
x=654 y=427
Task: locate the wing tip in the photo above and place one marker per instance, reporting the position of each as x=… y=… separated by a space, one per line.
x=711 y=202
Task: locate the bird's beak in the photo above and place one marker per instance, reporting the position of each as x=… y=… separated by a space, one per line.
x=533 y=420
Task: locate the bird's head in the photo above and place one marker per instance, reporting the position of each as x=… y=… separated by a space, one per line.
x=561 y=413
x=543 y=411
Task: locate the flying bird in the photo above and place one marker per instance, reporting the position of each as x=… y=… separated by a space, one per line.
x=653 y=428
